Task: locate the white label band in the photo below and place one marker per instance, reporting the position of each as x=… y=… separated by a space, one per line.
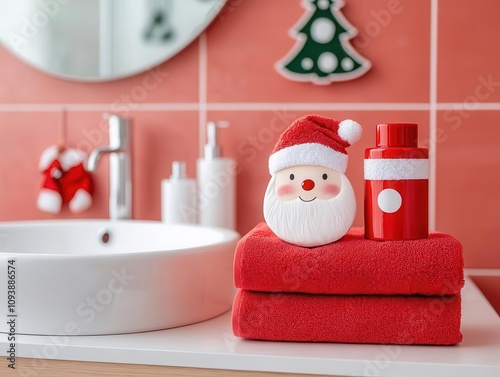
x=385 y=169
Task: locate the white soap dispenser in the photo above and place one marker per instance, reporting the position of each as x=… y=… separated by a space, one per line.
x=216 y=184
x=178 y=197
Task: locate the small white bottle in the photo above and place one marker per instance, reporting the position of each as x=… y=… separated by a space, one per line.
x=216 y=184
x=178 y=197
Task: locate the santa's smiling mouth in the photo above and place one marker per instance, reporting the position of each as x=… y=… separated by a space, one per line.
x=307 y=201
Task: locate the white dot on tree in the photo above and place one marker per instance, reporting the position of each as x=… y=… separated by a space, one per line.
x=322 y=30
x=323 y=4
x=307 y=63
x=347 y=64
x=328 y=62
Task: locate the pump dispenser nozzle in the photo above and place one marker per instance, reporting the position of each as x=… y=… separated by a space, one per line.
x=216 y=183
x=212 y=149
x=178 y=170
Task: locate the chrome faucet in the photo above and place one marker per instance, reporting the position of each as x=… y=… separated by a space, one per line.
x=120 y=182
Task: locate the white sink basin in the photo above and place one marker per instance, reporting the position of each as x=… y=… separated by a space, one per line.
x=147 y=276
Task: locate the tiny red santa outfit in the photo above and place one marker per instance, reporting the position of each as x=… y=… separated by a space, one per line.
x=65 y=181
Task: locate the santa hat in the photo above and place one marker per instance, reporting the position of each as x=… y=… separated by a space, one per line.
x=315 y=140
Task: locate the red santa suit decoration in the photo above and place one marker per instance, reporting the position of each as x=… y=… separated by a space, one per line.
x=65 y=181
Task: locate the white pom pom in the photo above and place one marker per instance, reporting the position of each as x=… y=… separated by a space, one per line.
x=350 y=131
x=72 y=157
x=48 y=156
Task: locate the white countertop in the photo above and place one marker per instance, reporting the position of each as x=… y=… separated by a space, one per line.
x=211 y=344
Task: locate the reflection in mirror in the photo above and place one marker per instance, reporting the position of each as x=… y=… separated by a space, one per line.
x=97 y=40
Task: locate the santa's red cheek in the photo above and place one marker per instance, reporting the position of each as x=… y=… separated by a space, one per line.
x=332 y=190
x=285 y=190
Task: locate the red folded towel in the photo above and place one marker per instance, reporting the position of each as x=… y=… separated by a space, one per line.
x=352 y=265
x=347 y=319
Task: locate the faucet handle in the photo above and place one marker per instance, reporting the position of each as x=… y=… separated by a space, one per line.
x=119 y=132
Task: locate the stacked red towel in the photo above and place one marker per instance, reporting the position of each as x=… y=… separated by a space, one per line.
x=353 y=290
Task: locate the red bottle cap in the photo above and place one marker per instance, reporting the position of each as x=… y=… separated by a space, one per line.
x=403 y=135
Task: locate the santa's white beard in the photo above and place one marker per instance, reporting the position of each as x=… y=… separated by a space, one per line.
x=313 y=223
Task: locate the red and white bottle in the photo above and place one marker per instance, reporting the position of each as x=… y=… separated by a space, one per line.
x=396 y=185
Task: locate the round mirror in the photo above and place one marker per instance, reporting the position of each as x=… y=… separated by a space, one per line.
x=100 y=40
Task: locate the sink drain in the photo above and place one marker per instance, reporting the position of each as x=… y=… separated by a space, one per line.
x=105 y=236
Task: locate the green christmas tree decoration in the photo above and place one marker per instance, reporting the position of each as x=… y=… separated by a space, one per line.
x=323 y=53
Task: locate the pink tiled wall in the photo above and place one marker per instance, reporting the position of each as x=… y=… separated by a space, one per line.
x=435 y=62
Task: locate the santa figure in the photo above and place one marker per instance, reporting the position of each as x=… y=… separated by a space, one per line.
x=309 y=200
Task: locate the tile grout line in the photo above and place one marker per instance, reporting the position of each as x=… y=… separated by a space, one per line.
x=484 y=106
x=433 y=114
x=482 y=271
x=193 y=106
x=256 y=106
x=202 y=87
x=318 y=106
